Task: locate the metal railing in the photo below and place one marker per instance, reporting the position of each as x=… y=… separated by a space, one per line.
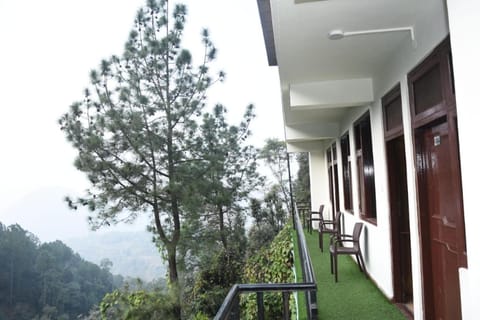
x=230 y=309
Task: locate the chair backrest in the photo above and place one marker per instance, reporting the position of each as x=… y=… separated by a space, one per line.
x=337 y=225
x=357 y=230
x=320 y=210
x=320 y=213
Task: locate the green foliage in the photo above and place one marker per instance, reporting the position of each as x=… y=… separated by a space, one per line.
x=214 y=281
x=201 y=316
x=229 y=174
x=274 y=154
x=269 y=216
x=137 y=305
x=46 y=281
x=259 y=237
x=271 y=265
x=301 y=186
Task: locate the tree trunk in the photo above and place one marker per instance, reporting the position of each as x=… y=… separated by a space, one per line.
x=223 y=236
x=172 y=264
x=173 y=277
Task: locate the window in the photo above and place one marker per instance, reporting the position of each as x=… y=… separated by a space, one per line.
x=366 y=172
x=330 y=175
x=333 y=176
x=347 y=172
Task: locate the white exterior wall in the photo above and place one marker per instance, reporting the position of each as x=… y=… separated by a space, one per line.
x=318 y=181
x=464 y=23
x=377 y=238
x=394 y=72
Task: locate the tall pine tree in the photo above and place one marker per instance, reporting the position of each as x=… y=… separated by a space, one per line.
x=136 y=129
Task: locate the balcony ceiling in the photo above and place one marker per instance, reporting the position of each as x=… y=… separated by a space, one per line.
x=307 y=57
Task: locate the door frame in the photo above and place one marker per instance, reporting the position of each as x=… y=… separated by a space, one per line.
x=393 y=130
x=444 y=111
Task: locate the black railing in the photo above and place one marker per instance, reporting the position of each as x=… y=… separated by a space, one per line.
x=230 y=308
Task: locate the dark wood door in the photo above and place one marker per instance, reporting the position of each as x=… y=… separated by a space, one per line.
x=440 y=203
x=400 y=222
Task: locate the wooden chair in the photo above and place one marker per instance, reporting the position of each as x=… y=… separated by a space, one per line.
x=331 y=227
x=311 y=218
x=337 y=247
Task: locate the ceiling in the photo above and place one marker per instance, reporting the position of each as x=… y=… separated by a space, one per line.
x=296 y=36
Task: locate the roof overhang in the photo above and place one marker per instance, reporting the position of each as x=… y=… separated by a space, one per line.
x=323 y=80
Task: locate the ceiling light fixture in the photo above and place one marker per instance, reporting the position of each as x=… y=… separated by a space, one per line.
x=338 y=34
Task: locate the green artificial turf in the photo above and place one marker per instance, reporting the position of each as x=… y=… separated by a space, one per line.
x=352 y=297
x=302 y=308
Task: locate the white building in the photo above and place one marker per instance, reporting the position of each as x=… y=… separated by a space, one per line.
x=383 y=95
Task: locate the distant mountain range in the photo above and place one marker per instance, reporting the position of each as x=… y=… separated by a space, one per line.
x=133 y=253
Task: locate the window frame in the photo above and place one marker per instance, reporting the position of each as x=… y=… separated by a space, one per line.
x=365 y=168
x=346 y=172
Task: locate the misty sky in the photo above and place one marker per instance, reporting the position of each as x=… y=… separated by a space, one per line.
x=47 y=50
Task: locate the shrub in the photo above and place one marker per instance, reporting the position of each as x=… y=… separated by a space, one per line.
x=137 y=305
x=270 y=265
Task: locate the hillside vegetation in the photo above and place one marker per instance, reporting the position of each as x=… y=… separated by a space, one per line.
x=47 y=281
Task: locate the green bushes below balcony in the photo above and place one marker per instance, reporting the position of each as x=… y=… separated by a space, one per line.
x=272 y=264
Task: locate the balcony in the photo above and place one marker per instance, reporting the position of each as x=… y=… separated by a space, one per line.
x=319 y=297
x=353 y=296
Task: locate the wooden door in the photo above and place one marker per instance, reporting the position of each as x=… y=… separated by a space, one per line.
x=440 y=202
x=400 y=222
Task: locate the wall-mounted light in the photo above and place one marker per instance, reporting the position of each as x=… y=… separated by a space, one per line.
x=337 y=34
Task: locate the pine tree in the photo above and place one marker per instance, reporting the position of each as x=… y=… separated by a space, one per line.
x=136 y=131
x=274 y=153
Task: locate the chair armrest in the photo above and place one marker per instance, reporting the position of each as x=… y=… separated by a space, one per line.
x=336 y=239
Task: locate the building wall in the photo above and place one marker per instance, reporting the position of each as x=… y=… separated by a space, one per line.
x=461 y=22
x=377 y=238
x=318 y=181
x=464 y=22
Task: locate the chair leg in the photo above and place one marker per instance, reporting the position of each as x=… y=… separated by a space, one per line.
x=358 y=262
x=363 y=264
x=336 y=267
x=331 y=263
x=320 y=240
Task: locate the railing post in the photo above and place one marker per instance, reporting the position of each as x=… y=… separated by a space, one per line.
x=292 y=206
x=286 y=305
x=311 y=297
x=260 y=307
x=235 y=314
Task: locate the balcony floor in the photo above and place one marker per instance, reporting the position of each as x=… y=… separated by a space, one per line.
x=353 y=296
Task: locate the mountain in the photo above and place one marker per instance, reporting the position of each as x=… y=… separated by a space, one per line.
x=133 y=254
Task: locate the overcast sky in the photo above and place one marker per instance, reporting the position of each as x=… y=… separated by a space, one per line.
x=48 y=48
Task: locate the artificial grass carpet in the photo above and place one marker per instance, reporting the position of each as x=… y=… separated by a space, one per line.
x=353 y=296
